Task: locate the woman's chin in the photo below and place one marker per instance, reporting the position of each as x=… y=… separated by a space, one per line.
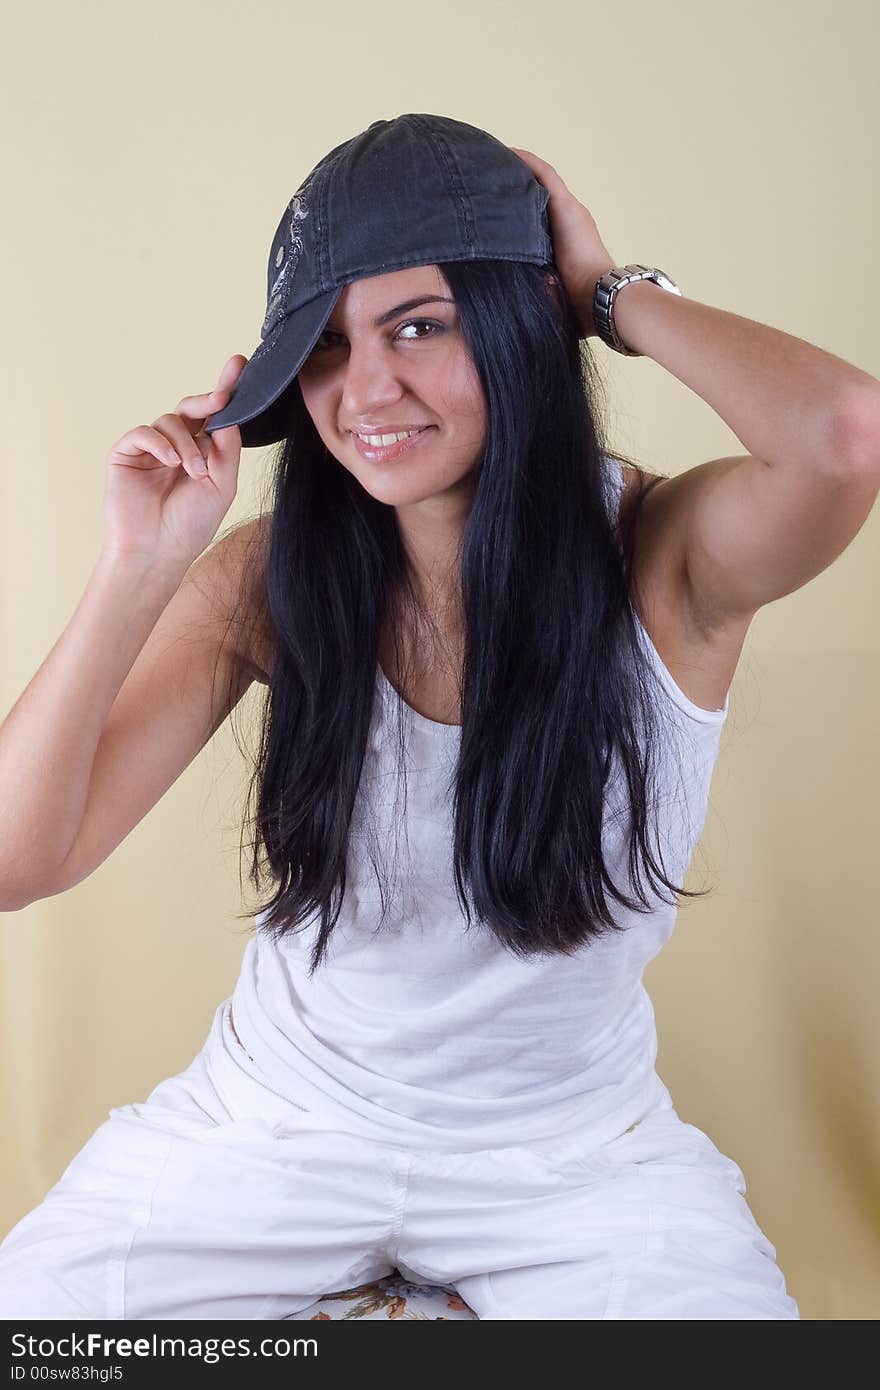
x=399 y=486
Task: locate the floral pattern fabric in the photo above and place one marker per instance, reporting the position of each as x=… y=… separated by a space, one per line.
x=391 y=1297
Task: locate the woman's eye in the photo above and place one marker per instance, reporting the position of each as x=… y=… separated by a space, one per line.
x=421 y=323
x=433 y=328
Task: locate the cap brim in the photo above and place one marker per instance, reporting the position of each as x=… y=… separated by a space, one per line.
x=261 y=402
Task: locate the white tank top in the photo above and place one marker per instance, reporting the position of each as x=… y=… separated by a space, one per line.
x=427 y=1033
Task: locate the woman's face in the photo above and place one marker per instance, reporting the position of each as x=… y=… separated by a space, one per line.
x=381 y=368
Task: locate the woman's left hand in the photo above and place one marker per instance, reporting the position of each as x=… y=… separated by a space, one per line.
x=580 y=255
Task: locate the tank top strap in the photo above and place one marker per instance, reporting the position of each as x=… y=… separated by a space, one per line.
x=612 y=483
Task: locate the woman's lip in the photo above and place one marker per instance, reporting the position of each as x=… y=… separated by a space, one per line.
x=391 y=451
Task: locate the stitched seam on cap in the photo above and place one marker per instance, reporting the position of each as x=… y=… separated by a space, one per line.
x=323 y=268
x=443 y=152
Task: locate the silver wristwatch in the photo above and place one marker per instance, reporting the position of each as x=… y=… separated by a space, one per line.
x=606 y=292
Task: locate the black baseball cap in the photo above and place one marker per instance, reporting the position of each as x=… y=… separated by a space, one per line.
x=415 y=190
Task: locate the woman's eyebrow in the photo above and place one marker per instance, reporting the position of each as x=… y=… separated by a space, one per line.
x=409 y=304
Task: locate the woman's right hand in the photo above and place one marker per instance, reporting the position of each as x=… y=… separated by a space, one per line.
x=157 y=504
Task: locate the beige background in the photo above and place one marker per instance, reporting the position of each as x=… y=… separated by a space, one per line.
x=148 y=154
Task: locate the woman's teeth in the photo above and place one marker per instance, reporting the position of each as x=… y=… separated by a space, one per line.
x=381 y=441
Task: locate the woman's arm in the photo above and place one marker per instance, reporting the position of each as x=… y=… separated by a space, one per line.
x=743 y=530
x=791 y=404
x=49 y=738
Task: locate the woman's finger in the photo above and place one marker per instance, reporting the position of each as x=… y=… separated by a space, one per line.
x=544 y=172
x=179 y=432
x=197 y=409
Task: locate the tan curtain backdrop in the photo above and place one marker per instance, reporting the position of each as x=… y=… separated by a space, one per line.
x=146 y=159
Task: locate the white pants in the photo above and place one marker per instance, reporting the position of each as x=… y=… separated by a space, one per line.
x=215 y=1198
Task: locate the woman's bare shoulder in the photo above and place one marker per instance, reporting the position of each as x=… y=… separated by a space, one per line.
x=236 y=572
x=261 y=648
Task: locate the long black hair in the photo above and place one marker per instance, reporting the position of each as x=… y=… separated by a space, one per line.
x=555 y=688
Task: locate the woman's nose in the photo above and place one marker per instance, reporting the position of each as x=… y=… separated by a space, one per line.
x=371 y=382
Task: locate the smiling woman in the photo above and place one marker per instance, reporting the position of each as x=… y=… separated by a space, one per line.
x=441 y=1009
x=375 y=371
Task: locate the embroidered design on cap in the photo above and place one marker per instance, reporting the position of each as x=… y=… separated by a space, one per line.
x=286 y=257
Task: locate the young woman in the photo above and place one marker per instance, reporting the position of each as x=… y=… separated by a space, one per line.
x=497 y=662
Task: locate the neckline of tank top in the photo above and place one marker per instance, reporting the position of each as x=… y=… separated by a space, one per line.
x=678 y=696
x=613 y=480
x=448 y=729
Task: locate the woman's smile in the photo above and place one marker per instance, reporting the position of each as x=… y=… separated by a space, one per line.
x=384 y=453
